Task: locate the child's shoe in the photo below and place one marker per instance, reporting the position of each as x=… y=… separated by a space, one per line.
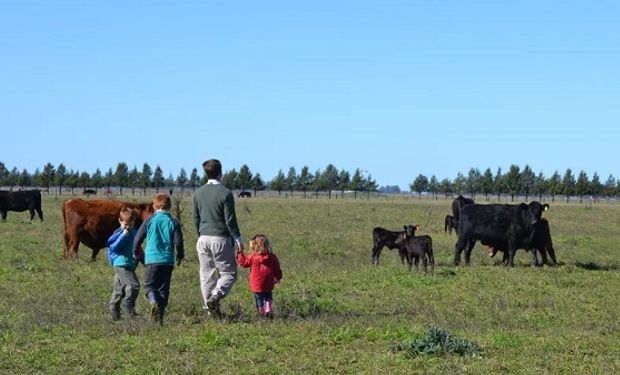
x=268 y=310
x=154 y=312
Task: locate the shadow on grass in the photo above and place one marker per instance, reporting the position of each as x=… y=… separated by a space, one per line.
x=594 y=266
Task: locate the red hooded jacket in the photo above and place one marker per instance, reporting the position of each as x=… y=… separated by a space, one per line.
x=264 y=270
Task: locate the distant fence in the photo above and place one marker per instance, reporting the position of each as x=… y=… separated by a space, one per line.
x=115 y=192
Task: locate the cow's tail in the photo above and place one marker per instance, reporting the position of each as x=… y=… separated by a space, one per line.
x=445 y=224
x=64 y=219
x=431 y=257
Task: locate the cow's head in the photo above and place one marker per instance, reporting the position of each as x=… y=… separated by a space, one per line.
x=534 y=211
x=144 y=211
x=409 y=230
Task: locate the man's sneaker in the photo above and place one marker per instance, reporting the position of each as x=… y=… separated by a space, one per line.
x=115 y=314
x=154 y=312
x=213 y=306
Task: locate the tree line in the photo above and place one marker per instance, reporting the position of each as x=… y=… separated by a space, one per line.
x=515 y=181
x=60 y=177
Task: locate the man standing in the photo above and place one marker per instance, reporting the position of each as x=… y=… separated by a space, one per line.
x=216 y=223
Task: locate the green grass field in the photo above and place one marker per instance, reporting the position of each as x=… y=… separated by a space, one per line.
x=335 y=312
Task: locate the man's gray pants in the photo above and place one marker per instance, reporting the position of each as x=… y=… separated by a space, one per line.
x=218 y=266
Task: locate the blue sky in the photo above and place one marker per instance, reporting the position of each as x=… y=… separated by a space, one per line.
x=397 y=88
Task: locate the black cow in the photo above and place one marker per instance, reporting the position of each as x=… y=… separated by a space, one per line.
x=20 y=201
x=244 y=194
x=382 y=237
x=416 y=247
x=505 y=224
x=457 y=204
x=541 y=241
x=89 y=192
x=448 y=224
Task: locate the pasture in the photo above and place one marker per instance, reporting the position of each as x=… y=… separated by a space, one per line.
x=335 y=313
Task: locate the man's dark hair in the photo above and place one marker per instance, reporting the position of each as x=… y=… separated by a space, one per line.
x=213 y=168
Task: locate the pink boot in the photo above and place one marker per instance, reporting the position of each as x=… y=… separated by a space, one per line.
x=261 y=311
x=268 y=311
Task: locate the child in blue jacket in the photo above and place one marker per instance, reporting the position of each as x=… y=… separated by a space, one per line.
x=162 y=232
x=125 y=287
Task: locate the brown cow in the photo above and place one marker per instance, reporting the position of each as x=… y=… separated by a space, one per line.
x=93 y=221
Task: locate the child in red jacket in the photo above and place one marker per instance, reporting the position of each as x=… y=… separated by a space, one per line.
x=265 y=272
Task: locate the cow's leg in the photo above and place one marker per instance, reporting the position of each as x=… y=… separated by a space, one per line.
x=417 y=261
x=74 y=249
x=470 y=246
x=552 y=255
x=3 y=213
x=505 y=258
x=39 y=212
x=431 y=260
x=409 y=260
x=94 y=256
x=403 y=254
x=511 y=254
x=458 y=249
x=535 y=262
x=424 y=262
x=375 y=255
x=72 y=242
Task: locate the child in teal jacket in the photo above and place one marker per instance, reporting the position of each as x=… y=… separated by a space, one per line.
x=163 y=233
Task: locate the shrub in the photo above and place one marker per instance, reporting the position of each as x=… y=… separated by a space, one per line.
x=438 y=342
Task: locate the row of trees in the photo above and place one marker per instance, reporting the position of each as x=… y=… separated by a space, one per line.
x=519 y=181
x=515 y=181
x=123 y=177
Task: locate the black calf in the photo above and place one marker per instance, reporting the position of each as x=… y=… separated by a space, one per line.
x=449 y=224
x=417 y=247
x=382 y=237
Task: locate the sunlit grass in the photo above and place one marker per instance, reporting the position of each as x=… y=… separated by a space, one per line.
x=335 y=312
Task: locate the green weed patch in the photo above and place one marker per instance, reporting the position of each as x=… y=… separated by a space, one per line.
x=438 y=341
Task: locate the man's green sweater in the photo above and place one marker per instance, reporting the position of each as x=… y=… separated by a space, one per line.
x=214 y=211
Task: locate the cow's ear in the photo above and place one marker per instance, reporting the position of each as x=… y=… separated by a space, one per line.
x=416 y=227
x=524 y=206
x=405 y=227
x=546 y=207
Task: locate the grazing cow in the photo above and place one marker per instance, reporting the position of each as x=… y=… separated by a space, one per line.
x=541 y=241
x=93 y=221
x=20 y=201
x=449 y=224
x=89 y=192
x=382 y=237
x=416 y=247
x=512 y=225
x=244 y=194
x=457 y=204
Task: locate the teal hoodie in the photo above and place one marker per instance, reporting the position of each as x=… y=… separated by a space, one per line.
x=162 y=233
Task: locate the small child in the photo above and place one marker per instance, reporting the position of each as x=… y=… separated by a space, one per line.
x=163 y=233
x=125 y=287
x=265 y=272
